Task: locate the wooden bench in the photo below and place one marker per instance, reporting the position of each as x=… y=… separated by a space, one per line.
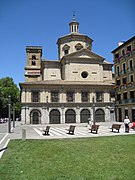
x=95 y=128
x=116 y=126
x=71 y=129
x=46 y=131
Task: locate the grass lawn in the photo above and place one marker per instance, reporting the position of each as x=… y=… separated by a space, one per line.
x=106 y=158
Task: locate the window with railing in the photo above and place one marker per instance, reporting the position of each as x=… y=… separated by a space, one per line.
x=70 y=96
x=35 y=96
x=99 y=96
x=85 y=96
x=54 y=96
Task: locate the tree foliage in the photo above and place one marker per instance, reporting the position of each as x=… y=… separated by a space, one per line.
x=8 y=87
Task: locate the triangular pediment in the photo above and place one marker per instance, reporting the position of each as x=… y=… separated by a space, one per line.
x=83 y=54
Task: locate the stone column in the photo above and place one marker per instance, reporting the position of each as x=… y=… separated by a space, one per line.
x=77 y=114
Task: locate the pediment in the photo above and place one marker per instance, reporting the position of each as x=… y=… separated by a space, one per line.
x=83 y=54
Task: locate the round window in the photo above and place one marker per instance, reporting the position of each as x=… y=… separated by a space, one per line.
x=84 y=74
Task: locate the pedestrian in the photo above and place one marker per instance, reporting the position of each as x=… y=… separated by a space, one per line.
x=90 y=122
x=126 y=122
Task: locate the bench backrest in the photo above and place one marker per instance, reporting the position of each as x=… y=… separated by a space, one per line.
x=47 y=128
x=94 y=127
x=72 y=128
x=116 y=125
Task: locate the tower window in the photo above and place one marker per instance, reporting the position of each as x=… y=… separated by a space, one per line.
x=35 y=96
x=55 y=96
x=99 y=96
x=33 y=57
x=70 y=96
x=84 y=74
x=66 y=51
x=78 y=46
x=33 y=63
x=84 y=96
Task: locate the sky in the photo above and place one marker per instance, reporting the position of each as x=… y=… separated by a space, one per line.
x=41 y=22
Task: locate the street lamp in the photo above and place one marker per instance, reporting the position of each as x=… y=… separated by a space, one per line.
x=93 y=106
x=14 y=115
x=9 y=114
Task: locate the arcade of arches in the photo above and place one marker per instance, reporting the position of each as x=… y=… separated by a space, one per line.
x=70 y=116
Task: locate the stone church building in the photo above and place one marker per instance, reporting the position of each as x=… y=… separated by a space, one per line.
x=67 y=90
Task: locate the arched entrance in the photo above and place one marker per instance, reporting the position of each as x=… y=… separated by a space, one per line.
x=99 y=115
x=70 y=116
x=35 y=117
x=84 y=115
x=54 y=117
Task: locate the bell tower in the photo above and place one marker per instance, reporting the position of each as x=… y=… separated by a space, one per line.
x=33 y=65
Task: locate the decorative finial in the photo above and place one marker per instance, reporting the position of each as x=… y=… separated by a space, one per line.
x=74 y=18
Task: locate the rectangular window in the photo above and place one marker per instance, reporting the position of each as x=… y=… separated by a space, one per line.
x=132 y=94
x=35 y=96
x=84 y=97
x=70 y=96
x=54 y=96
x=99 y=96
x=118 y=97
x=125 y=95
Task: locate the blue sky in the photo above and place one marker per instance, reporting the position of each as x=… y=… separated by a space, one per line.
x=42 y=22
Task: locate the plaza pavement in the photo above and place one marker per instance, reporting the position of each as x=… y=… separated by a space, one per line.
x=58 y=131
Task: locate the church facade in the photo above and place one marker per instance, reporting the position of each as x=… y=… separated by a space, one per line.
x=72 y=89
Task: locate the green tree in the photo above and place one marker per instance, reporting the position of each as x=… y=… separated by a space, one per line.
x=8 y=87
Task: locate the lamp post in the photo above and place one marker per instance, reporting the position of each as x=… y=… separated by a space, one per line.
x=93 y=106
x=14 y=115
x=9 y=114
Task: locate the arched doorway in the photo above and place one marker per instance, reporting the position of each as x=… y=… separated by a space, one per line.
x=99 y=115
x=84 y=115
x=54 y=117
x=35 y=117
x=70 y=116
